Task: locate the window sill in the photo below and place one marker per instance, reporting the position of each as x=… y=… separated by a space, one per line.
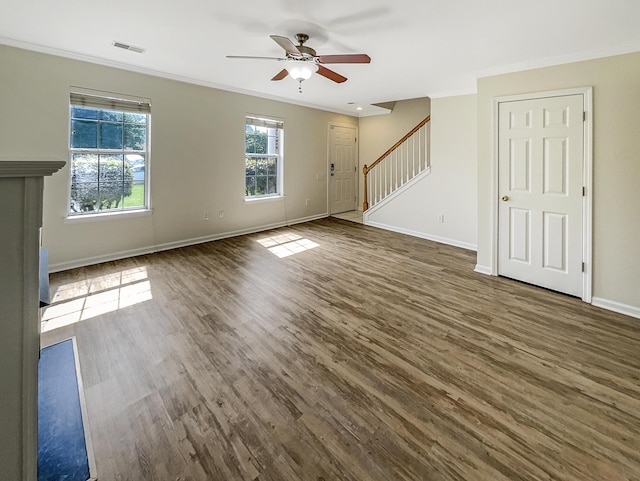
x=82 y=218
x=258 y=200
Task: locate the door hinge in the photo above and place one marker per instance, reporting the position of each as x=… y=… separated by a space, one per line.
x=355 y=169
x=584 y=191
x=583 y=267
x=584 y=115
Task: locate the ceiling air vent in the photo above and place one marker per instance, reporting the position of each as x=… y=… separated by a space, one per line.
x=125 y=46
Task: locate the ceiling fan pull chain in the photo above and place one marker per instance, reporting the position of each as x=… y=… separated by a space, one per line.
x=300 y=85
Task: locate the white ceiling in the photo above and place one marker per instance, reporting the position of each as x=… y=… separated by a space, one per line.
x=418 y=47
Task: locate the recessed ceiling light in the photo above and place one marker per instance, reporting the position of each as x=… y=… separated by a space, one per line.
x=358 y=108
x=126 y=46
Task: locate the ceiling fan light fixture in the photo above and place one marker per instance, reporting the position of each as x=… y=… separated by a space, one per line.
x=300 y=70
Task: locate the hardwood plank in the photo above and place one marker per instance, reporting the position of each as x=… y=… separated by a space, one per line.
x=370 y=356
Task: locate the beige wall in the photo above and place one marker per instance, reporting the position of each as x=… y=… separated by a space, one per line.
x=197 y=161
x=616 y=164
x=450 y=188
x=379 y=133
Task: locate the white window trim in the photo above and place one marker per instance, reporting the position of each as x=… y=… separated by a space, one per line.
x=273 y=122
x=73 y=218
x=106 y=215
x=263 y=198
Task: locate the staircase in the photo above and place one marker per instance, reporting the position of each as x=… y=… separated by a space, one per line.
x=398 y=166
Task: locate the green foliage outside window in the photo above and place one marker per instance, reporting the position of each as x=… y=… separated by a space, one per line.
x=261 y=176
x=255 y=141
x=99 y=182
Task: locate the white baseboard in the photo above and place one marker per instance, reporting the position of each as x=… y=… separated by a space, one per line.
x=483 y=270
x=614 y=306
x=88 y=261
x=626 y=309
x=422 y=235
x=114 y=256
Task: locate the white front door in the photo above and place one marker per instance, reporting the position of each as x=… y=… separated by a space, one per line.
x=342 y=169
x=540 y=184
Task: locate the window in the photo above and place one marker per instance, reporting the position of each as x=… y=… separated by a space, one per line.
x=109 y=150
x=263 y=157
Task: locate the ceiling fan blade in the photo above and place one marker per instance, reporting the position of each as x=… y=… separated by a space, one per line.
x=280 y=75
x=254 y=58
x=345 y=58
x=287 y=45
x=331 y=75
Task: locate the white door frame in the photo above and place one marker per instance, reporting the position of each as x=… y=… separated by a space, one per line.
x=587 y=179
x=328 y=170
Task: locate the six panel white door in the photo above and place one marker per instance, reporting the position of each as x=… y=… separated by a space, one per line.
x=343 y=175
x=540 y=158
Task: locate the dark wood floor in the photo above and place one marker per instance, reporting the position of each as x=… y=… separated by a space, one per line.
x=369 y=356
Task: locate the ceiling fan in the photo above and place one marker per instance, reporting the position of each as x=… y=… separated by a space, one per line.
x=302 y=61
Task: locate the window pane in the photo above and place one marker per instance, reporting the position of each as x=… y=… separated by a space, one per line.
x=272 y=142
x=84 y=134
x=261 y=184
x=271 y=167
x=137 y=197
x=112 y=171
x=84 y=168
x=84 y=183
x=256 y=141
x=110 y=135
x=84 y=113
x=111 y=194
x=250 y=186
x=272 y=184
x=134 y=163
x=84 y=197
x=110 y=116
x=261 y=166
x=131 y=118
x=250 y=168
x=135 y=137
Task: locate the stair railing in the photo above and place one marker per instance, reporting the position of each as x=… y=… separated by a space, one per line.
x=408 y=157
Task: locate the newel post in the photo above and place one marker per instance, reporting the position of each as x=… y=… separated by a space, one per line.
x=365 y=204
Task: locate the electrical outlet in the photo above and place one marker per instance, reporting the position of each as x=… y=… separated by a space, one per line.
x=307 y=202
x=221 y=214
x=205 y=216
x=441 y=218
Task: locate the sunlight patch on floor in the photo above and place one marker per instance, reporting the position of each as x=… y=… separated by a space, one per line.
x=82 y=300
x=285 y=245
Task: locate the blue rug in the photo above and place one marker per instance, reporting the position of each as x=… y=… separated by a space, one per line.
x=62 y=450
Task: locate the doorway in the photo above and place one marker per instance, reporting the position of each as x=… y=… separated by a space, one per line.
x=543 y=190
x=343 y=165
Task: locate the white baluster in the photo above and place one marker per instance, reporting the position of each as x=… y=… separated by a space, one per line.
x=386 y=180
x=425 y=147
x=420 y=167
x=372 y=186
x=379 y=188
x=404 y=164
x=375 y=186
x=395 y=169
x=410 y=156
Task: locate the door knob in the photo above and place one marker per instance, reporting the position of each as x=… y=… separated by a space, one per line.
x=505 y=198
